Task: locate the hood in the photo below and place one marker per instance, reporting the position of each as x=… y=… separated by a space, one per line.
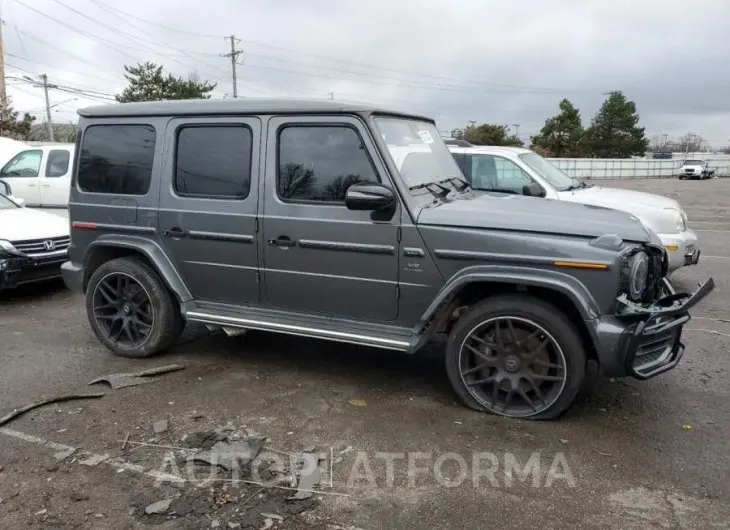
x=533 y=214
x=655 y=211
x=22 y=224
x=620 y=199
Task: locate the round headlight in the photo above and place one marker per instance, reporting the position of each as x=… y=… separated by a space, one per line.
x=639 y=271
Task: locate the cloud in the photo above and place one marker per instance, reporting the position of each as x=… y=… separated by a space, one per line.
x=484 y=60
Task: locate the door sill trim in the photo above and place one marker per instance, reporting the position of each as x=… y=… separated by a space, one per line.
x=290 y=329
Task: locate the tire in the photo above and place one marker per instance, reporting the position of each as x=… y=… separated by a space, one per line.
x=524 y=312
x=160 y=307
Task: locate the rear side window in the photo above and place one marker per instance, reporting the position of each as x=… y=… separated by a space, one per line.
x=117 y=159
x=213 y=161
x=57 y=165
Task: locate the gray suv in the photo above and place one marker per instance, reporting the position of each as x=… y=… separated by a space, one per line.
x=354 y=224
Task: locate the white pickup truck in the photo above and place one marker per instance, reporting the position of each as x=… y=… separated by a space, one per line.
x=41 y=175
x=695 y=169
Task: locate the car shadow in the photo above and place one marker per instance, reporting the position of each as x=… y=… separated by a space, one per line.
x=32 y=292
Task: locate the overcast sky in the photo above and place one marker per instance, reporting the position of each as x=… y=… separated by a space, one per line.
x=497 y=61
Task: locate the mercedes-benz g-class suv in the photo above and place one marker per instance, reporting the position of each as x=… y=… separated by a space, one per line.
x=354 y=224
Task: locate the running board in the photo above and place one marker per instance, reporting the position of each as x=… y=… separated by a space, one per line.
x=378 y=336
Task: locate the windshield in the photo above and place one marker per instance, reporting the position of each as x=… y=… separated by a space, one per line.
x=417 y=150
x=693 y=163
x=7 y=204
x=557 y=179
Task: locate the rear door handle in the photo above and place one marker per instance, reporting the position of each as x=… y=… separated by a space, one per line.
x=283 y=241
x=174 y=232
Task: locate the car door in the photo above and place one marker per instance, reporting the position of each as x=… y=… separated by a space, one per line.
x=22 y=174
x=318 y=255
x=56 y=177
x=209 y=204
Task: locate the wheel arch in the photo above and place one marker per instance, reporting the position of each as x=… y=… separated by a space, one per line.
x=467 y=288
x=108 y=247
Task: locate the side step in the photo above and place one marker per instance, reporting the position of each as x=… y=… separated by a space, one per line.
x=303 y=325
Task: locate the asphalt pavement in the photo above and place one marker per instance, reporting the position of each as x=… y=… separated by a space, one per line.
x=398 y=450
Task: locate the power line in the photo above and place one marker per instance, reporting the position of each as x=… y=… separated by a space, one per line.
x=234 y=53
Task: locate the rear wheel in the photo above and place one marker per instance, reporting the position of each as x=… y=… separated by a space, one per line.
x=131 y=310
x=516 y=356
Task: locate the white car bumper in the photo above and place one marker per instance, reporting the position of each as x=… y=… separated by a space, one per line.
x=682 y=248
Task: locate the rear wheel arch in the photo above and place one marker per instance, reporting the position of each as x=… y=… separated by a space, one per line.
x=102 y=251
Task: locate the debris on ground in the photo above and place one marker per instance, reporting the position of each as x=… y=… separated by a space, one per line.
x=307 y=477
x=158 y=507
x=202 y=439
x=357 y=402
x=123 y=380
x=231 y=454
x=63 y=455
x=17 y=412
x=93 y=460
x=272 y=516
x=686 y=427
x=563 y=441
x=160 y=427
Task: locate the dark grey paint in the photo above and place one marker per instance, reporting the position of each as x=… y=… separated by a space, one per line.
x=324 y=271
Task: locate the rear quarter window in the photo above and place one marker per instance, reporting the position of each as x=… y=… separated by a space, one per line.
x=117 y=159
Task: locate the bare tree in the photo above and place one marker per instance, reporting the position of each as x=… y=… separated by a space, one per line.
x=690 y=143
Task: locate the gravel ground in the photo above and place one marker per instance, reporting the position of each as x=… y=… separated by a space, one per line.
x=628 y=455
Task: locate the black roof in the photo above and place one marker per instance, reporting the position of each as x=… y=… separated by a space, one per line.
x=191 y=107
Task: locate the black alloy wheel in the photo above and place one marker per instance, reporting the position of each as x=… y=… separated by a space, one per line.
x=513 y=366
x=123 y=310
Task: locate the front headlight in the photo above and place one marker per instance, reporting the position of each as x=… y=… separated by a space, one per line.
x=678 y=219
x=638 y=273
x=6 y=248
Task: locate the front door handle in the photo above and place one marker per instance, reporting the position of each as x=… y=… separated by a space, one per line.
x=174 y=232
x=283 y=241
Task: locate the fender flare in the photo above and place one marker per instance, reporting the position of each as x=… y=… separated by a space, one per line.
x=150 y=249
x=548 y=279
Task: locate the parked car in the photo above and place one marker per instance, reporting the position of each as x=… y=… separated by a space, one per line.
x=33 y=244
x=41 y=175
x=695 y=169
x=353 y=224
x=524 y=172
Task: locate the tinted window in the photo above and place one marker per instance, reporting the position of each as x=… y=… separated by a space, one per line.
x=320 y=163
x=25 y=164
x=214 y=161
x=57 y=165
x=117 y=159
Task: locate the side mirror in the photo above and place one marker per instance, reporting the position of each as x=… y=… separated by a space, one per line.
x=369 y=197
x=533 y=190
x=17 y=200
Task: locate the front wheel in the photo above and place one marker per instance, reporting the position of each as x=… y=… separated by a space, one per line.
x=516 y=356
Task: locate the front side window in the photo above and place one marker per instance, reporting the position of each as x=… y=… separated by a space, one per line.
x=117 y=159
x=319 y=163
x=57 y=165
x=25 y=164
x=557 y=179
x=489 y=172
x=213 y=161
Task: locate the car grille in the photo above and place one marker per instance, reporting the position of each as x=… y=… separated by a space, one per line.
x=654 y=350
x=42 y=247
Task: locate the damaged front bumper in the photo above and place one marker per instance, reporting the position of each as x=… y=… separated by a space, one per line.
x=15 y=270
x=651 y=344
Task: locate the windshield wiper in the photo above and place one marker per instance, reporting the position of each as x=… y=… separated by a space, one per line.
x=442 y=190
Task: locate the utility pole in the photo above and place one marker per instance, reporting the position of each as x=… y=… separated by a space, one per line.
x=517 y=129
x=331 y=95
x=48 y=109
x=234 y=57
x=3 y=89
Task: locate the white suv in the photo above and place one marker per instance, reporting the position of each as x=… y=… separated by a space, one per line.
x=41 y=175
x=524 y=172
